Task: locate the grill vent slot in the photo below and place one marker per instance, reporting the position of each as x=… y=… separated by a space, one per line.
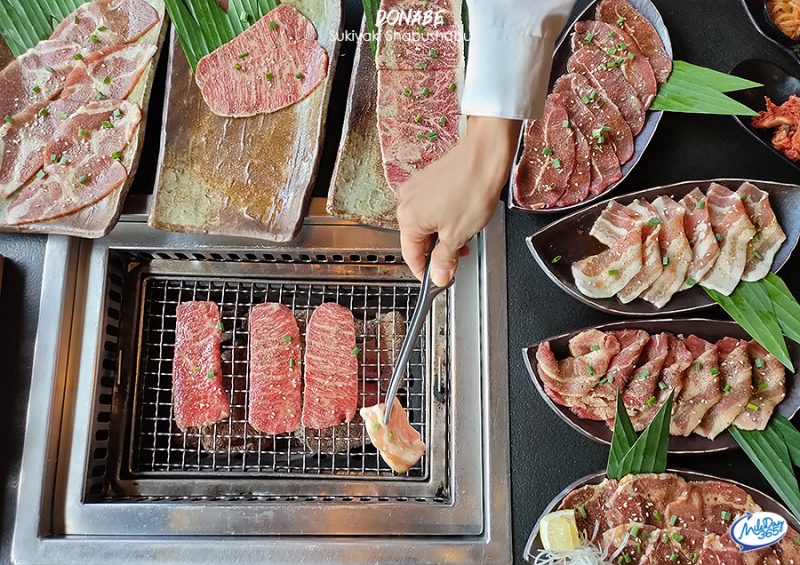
x=290 y=256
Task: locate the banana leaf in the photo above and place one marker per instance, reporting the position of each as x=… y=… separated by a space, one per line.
x=24 y=23
x=203 y=26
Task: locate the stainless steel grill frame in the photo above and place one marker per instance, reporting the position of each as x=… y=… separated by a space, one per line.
x=63 y=518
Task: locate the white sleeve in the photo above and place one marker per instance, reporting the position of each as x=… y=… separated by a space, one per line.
x=510 y=54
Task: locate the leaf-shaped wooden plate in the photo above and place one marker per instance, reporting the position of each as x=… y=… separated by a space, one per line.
x=766 y=502
x=710 y=330
x=778 y=83
x=757 y=13
x=569 y=239
x=560 y=57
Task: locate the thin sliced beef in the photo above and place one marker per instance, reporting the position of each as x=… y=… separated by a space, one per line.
x=609 y=83
x=547 y=161
x=643 y=499
x=676 y=254
x=737 y=386
x=418 y=120
x=331 y=368
x=399 y=444
x=635 y=546
x=603 y=165
x=580 y=180
x=769 y=389
x=769 y=236
x=274 y=403
x=734 y=230
x=198 y=398
x=604 y=115
x=605 y=274
x=705 y=505
x=621 y=13
x=593 y=499
x=22 y=143
x=269 y=66
x=85 y=167
x=101 y=25
x=697 y=224
x=620 y=51
x=671 y=381
x=652 y=262
x=631 y=344
x=638 y=395
x=37 y=76
x=701 y=388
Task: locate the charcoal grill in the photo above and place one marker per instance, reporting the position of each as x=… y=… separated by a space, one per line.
x=107 y=475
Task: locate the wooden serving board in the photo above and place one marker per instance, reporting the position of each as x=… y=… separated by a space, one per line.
x=359 y=191
x=98 y=220
x=242 y=176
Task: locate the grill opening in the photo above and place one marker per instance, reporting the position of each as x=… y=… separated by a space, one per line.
x=381 y=310
x=139 y=455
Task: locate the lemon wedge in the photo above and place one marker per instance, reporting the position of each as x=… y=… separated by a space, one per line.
x=559 y=531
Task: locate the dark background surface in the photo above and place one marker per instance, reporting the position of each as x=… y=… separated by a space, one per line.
x=545 y=454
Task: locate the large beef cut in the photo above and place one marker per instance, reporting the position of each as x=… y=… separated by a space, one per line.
x=274 y=400
x=198 y=398
x=271 y=65
x=331 y=367
x=420 y=73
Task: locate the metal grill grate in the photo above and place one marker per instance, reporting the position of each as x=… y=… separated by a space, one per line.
x=159 y=447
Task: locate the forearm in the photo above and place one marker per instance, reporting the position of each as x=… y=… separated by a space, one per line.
x=492 y=142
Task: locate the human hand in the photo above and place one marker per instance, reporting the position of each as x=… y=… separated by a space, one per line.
x=454 y=198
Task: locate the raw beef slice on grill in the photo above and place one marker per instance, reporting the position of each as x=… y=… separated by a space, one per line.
x=418 y=120
x=621 y=13
x=197 y=396
x=274 y=401
x=83 y=167
x=547 y=161
x=271 y=65
x=330 y=396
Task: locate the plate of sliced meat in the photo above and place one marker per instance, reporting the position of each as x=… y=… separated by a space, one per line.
x=654 y=251
x=673 y=517
x=778 y=104
x=719 y=377
x=596 y=123
x=74 y=111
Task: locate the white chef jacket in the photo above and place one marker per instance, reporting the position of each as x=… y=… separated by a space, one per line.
x=510 y=52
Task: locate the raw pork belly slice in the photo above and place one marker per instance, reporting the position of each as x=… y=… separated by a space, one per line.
x=769 y=236
x=594 y=500
x=611 y=83
x=769 y=388
x=737 y=386
x=419 y=86
x=37 y=76
x=631 y=344
x=672 y=379
x=399 y=444
x=84 y=170
x=22 y=142
x=603 y=166
x=697 y=224
x=331 y=368
x=605 y=274
x=652 y=264
x=274 y=402
x=418 y=120
x=619 y=50
x=703 y=504
x=271 y=65
x=105 y=24
x=645 y=377
x=624 y=15
x=197 y=396
x=701 y=388
x=734 y=229
x=548 y=159
x=675 y=252
x=602 y=113
x=613 y=224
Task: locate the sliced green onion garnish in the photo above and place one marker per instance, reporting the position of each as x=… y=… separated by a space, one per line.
x=613 y=272
x=759 y=363
x=84 y=179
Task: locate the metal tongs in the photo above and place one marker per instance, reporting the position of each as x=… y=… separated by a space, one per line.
x=429 y=292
